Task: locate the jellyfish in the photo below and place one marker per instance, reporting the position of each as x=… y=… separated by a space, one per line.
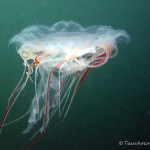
x=60 y=57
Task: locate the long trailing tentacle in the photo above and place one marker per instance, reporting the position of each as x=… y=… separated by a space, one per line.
x=46 y=112
x=76 y=88
x=96 y=62
x=14 y=95
x=12 y=99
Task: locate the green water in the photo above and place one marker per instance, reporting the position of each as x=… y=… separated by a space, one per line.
x=112 y=104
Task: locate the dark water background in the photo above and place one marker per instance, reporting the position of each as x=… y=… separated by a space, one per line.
x=113 y=103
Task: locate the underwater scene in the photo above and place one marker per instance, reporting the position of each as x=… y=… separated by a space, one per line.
x=73 y=76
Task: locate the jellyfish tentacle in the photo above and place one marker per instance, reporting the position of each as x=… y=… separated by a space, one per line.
x=46 y=111
x=80 y=80
x=12 y=99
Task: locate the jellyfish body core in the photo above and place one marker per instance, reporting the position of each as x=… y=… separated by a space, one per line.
x=60 y=56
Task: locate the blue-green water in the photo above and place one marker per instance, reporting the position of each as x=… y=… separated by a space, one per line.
x=113 y=102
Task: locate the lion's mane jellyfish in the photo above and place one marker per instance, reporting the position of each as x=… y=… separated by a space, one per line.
x=60 y=57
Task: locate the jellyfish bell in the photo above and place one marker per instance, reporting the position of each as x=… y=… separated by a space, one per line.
x=60 y=56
